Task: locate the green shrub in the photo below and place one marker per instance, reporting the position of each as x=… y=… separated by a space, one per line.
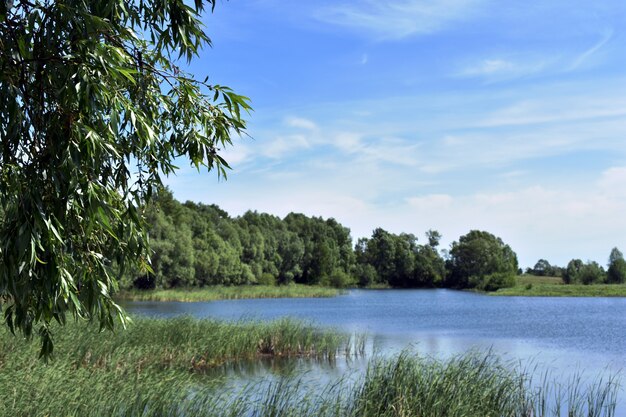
x=499 y=280
x=267 y=279
x=492 y=282
x=338 y=279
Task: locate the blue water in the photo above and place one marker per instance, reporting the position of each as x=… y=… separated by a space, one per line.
x=565 y=335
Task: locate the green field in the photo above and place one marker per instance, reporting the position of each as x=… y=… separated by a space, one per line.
x=230 y=293
x=535 y=286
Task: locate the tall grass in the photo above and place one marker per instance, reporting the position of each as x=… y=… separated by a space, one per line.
x=153 y=360
x=163 y=368
x=230 y=293
x=474 y=385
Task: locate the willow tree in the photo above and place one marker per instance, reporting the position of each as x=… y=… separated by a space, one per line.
x=94 y=111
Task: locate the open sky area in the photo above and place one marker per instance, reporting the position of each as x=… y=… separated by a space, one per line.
x=412 y=115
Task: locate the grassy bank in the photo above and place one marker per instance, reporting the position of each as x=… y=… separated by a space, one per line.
x=230 y=293
x=534 y=286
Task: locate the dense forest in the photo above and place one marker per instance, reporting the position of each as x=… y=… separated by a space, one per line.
x=197 y=245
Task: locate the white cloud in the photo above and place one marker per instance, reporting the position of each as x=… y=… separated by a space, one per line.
x=348 y=142
x=395 y=19
x=431 y=202
x=490 y=67
x=283 y=145
x=538 y=222
x=236 y=155
x=551 y=110
x=501 y=69
x=613 y=180
x=301 y=123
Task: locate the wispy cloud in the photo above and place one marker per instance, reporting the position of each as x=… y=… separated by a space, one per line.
x=301 y=123
x=556 y=110
x=586 y=55
x=396 y=19
x=283 y=145
x=541 y=61
x=490 y=66
x=499 y=69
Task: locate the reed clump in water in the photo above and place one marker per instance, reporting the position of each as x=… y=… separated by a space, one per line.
x=474 y=385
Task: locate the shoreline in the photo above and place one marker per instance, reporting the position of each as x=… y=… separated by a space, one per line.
x=526 y=286
x=215 y=293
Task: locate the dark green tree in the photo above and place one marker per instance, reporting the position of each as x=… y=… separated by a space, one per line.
x=381 y=254
x=433 y=237
x=93 y=111
x=543 y=268
x=398 y=260
x=476 y=257
x=592 y=273
x=430 y=269
x=616 y=273
x=172 y=260
x=571 y=275
x=327 y=247
x=291 y=252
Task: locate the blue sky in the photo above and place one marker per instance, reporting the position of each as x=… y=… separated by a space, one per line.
x=415 y=114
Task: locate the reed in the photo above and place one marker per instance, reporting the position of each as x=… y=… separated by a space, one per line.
x=153 y=361
x=219 y=292
x=161 y=368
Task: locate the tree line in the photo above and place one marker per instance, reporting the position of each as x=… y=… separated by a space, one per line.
x=196 y=245
x=590 y=272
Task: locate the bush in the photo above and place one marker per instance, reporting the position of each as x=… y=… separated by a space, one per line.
x=492 y=282
x=338 y=279
x=499 y=280
x=267 y=279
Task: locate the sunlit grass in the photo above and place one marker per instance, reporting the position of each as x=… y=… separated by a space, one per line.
x=535 y=286
x=230 y=293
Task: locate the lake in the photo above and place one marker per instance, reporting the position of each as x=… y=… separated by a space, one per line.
x=566 y=335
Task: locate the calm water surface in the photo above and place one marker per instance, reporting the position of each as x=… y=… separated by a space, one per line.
x=566 y=335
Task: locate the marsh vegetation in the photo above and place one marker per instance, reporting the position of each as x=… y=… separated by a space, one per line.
x=164 y=367
x=220 y=292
